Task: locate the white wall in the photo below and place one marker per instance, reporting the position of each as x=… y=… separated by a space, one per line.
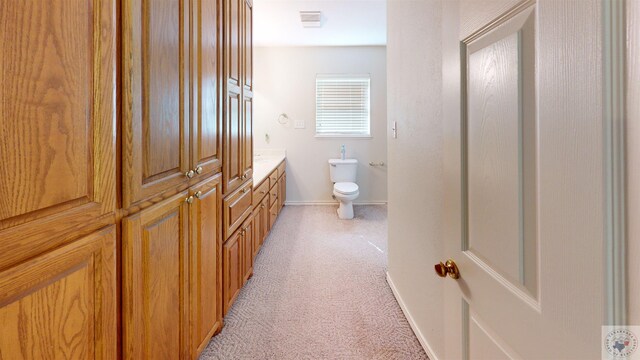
x=414 y=85
x=284 y=79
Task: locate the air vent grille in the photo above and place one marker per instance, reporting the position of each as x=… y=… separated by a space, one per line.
x=310 y=19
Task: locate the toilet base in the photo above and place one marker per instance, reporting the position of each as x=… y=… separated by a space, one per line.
x=345 y=210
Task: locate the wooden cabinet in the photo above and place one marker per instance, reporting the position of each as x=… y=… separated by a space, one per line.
x=206 y=127
x=171 y=128
x=205 y=263
x=155 y=280
x=247 y=230
x=58 y=290
x=57 y=174
x=260 y=225
x=155 y=94
x=282 y=184
x=62 y=304
x=238 y=87
x=237 y=207
x=232 y=269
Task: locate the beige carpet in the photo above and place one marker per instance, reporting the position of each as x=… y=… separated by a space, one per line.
x=319 y=292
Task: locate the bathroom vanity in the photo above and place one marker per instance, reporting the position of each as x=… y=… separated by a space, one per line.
x=249 y=216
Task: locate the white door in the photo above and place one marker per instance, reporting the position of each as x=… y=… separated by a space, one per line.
x=524 y=160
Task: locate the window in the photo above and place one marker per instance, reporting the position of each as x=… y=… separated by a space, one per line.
x=342 y=106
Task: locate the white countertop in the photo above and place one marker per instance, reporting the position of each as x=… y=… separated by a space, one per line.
x=264 y=162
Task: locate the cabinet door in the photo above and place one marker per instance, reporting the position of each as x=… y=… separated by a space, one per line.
x=248 y=45
x=206 y=122
x=155 y=281
x=233 y=175
x=247 y=248
x=247 y=136
x=155 y=111
x=257 y=231
x=232 y=40
x=232 y=279
x=62 y=305
x=283 y=189
x=57 y=119
x=264 y=222
x=206 y=263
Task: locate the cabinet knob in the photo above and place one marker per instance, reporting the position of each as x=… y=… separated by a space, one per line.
x=189 y=174
x=189 y=200
x=199 y=170
x=245 y=190
x=262 y=206
x=198 y=194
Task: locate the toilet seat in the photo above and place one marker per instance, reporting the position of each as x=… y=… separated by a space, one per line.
x=345 y=188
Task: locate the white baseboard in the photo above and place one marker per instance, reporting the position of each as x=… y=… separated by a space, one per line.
x=296 y=203
x=423 y=341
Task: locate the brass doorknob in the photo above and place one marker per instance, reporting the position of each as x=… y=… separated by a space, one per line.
x=449 y=267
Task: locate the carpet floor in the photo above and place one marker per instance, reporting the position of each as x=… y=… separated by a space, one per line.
x=319 y=291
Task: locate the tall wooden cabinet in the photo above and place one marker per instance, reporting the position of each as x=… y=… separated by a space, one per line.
x=57 y=179
x=100 y=171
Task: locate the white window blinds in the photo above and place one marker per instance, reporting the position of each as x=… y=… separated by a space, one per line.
x=343 y=105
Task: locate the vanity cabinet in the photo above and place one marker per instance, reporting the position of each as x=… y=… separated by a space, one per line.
x=237 y=262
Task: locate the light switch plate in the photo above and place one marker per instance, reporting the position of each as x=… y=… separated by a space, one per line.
x=299 y=124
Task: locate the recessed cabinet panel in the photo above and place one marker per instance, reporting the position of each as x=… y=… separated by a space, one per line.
x=207 y=125
x=247 y=139
x=57 y=61
x=155 y=281
x=232 y=269
x=206 y=263
x=155 y=97
x=62 y=304
x=233 y=151
x=247 y=248
x=233 y=49
x=248 y=45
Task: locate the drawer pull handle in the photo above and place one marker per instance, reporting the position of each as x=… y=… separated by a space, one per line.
x=189 y=200
x=198 y=194
x=189 y=174
x=199 y=170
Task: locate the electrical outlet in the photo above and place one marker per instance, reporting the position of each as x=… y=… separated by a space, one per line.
x=299 y=124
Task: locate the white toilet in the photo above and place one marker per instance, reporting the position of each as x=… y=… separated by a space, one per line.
x=345 y=189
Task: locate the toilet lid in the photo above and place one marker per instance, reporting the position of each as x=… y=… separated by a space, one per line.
x=346 y=188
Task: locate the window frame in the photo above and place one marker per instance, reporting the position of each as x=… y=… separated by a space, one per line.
x=326 y=76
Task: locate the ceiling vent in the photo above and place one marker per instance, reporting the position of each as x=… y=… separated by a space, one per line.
x=310 y=19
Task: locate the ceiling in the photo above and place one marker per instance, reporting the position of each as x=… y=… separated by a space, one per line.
x=344 y=23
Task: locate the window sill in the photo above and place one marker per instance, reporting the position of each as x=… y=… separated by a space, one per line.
x=339 y=136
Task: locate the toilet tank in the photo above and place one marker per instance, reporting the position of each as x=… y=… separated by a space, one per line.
x=343 y=170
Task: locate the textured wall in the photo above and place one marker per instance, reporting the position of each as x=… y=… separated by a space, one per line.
x=285 y=83
x=414 y=85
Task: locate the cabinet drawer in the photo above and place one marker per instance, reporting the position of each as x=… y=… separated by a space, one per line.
x=281 y=168
x=260 y=192
x=237 y=207
x=273 y=177
x=273 y=194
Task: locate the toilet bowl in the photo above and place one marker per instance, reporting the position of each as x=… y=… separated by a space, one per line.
x=345 y=193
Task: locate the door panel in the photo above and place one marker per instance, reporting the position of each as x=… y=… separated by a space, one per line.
x=206 y=263
x=232 y=269
x=155 y=97
x=247 y=248
x=257 y=231
x=264 y=219
x=247 y=138
x=500 y=151
x=206 y=128
x=155 y=281
x=62 y=304
x=248 y=45
x=57 y=61
x=233 y=47
x=525 y=206
x=233 y=152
